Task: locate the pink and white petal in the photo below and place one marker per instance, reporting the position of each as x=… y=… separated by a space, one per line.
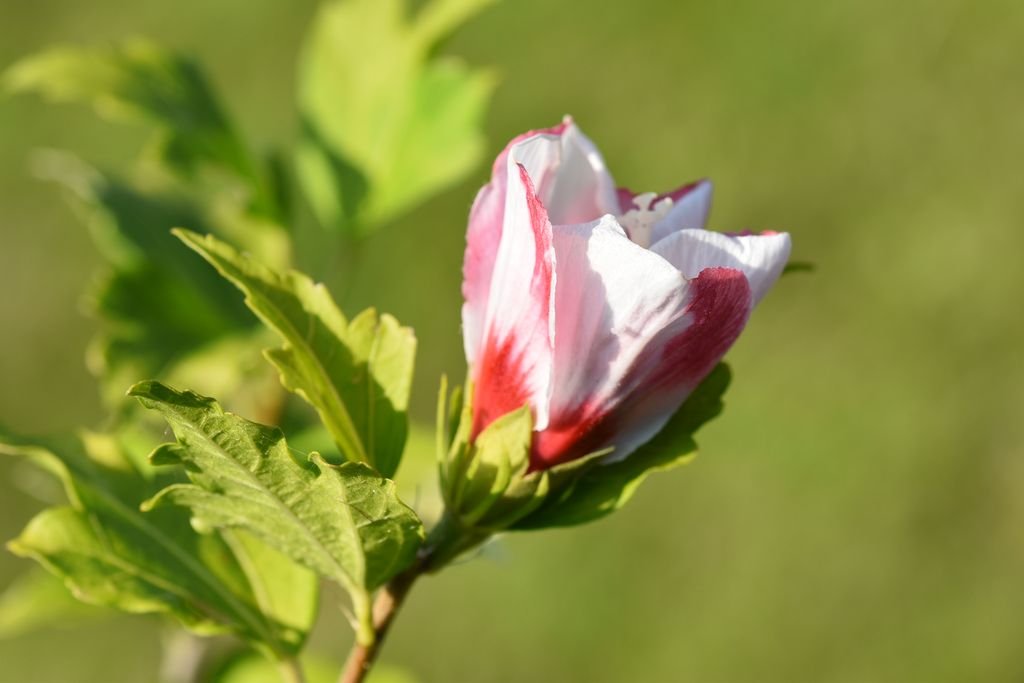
x=582 y=190
x=482 y=239
x=718 y=306
x=514 y=365
x=690 y=210
x=541 y=156
x=760 y=257
x=567 y=172
x=613 y=301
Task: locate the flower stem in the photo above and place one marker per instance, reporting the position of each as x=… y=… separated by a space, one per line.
x=385 y=607
x=446 y=541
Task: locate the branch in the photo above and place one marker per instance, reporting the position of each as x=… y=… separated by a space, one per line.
x=385 y=607
x=447 y=540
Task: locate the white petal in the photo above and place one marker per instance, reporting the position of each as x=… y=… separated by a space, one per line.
x=570 y=175
x=760 y=257
x=614 y=300
x=485 y=225
x=689 y=212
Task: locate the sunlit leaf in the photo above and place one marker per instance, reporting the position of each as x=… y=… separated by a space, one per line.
x=110 y=553
x=386 y=123
x=356 y=374
x=344 y=522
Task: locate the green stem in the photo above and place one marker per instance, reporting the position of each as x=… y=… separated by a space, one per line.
x=385 y=607
x=447 y=540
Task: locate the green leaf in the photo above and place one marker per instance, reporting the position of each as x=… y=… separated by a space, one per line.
x=286 y=592
x=499 y=450
x=386 y=123
x=109 y=553
x=356 y=374
x=418 y=482
x=487 y=484
x=247 y=668
x=344 y=522
x=600 y=489
x=37 y=599
x=138 y=81
x=799 y=267
x=157 y=302
x=150 y=322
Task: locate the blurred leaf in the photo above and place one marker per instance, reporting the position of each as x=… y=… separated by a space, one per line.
x=137 y=81
x=385 y=123
x=250 y=669
x=799 y=267
x=109 y=553
x=157 y=302
x=344 y=522
x=234 y=366
x=149 y=323
x=356 y=374
x=37 y=599
x=285 y=591
x=418 y=483
x=603 y=488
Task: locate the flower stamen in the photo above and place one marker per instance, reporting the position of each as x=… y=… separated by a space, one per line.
x=639 y=222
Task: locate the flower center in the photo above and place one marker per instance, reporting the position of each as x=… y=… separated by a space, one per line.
x=639 y=222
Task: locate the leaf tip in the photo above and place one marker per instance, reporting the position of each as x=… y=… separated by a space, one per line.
x=15 y=547
x=165 y=454
x=143 y=389
x=187 y=236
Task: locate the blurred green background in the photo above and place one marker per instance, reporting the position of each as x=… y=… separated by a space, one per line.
x=857 y=514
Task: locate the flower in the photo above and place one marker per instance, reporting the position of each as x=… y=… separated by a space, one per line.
x=599 y=308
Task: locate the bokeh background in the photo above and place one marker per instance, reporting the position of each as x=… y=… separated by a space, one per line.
x=857 y=514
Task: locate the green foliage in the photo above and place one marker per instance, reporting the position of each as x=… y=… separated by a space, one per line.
x=109 y=553
x=356 y=374
x=344 y=522
x=157 y=309
x=407 y=124
x=385 y=122
x=157 y=303
x=488 y=484
x=249 y=669
x=138 y=81
x=596 y=489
